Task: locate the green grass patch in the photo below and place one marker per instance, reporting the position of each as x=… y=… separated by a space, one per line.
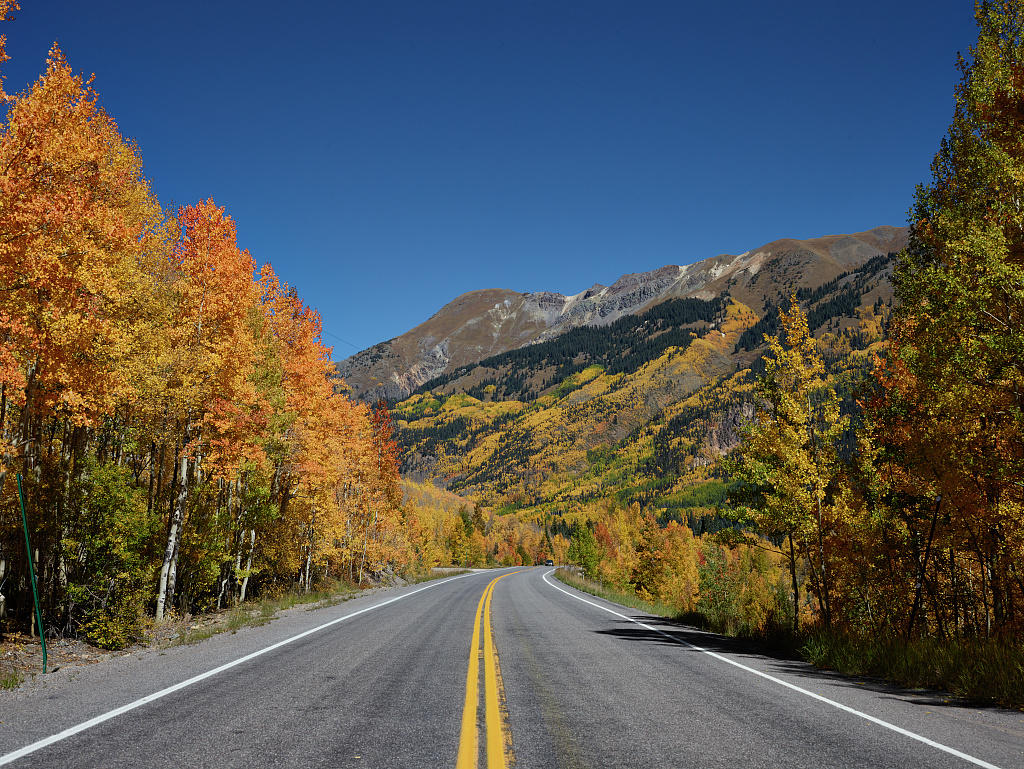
x=630 y=599
x=414 y=578
x=989 y=671
x=11 y=680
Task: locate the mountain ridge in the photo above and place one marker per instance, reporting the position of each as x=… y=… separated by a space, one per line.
x=485 y=322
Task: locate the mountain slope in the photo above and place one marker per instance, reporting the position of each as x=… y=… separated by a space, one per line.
x=480 y=324
x=634 y=411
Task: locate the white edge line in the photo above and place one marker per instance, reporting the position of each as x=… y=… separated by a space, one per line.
x=833 y=703
x=73 y=730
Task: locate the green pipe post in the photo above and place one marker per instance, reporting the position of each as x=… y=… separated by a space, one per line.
x=32 y=573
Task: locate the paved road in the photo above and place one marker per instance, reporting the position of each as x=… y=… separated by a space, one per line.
x=385 y=686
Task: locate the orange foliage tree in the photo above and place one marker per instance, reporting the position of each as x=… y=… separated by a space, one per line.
x=174 y=410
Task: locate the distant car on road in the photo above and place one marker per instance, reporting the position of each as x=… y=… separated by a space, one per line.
x=549 y=562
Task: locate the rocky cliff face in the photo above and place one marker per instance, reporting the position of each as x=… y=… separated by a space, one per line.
x=482 y=323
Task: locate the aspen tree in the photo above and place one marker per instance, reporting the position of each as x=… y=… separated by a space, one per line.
x=787 y=468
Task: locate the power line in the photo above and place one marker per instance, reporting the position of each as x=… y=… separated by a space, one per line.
x=325 y=332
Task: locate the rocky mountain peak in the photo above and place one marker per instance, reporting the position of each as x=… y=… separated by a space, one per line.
x=486 y=322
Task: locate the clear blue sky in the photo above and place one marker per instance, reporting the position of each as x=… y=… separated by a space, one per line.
x=388 y=156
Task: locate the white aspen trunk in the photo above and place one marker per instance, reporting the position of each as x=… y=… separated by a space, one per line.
x=239 y=525
x=171 y=552
x=62 y=572
x=362 y=560
x=309 y=553
x=248 y=565
x=373 y=528
x=172 y=576
x=223 y=580
x=238 y=563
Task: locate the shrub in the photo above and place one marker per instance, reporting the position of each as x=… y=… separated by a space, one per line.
x=105 y=541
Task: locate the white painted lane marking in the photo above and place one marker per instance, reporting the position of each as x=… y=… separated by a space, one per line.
x=833 y=703
x=73 y=730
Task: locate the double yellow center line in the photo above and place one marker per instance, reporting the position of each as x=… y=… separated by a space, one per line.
x=468 y=742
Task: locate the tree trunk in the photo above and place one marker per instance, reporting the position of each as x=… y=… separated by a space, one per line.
x=309 y=552
x=362 y=557
x=35 y=560
x=238 y=565
x=248 y=566
x=924 y=566
x=172 y=576
x=165 y=591
x=796 y=587
x=823 y=599
x=27 y=432
x=3 y=409
x=152 y=478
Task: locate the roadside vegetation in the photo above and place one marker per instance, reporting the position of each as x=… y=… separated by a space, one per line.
x=260 y=612
x=267 y=608
x=625 y=598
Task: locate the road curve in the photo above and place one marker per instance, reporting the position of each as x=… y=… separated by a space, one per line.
x=381 y=681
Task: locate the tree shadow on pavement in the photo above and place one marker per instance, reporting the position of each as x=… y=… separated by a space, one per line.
x=775 y=660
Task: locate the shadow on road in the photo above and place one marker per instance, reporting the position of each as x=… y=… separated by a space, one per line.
x=773 y=660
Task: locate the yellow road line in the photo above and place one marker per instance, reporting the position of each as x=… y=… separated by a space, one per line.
x=495 y=739
x=468 y=741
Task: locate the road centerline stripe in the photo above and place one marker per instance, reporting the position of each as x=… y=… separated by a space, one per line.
x=8 y=758
x=469 y=744
x=878 y=721
x=468 y=747
x=495 y=738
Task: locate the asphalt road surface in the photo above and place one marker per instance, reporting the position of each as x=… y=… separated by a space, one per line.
x=426 y=676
